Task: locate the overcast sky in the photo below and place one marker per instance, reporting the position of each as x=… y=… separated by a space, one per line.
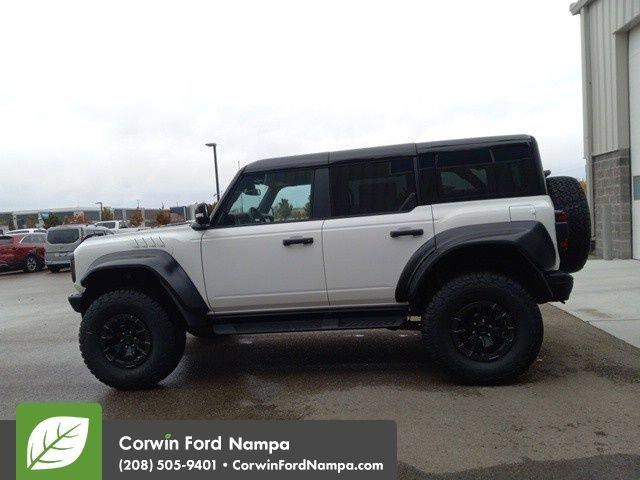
x=113 y=101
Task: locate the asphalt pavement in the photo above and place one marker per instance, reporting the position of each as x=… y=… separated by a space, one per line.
x=573 y=415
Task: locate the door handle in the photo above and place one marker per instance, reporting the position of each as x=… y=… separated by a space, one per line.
x=294 y=241
x=416 y=232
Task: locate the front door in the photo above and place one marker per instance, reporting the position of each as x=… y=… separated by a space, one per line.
x=265 y=253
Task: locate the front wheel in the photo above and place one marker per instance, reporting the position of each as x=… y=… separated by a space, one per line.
x=128 y=340
x=483 y=328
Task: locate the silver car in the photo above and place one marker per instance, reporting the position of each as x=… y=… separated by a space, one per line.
x=63 y=240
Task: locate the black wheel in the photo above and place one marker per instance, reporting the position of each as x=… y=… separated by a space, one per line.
x=32 y=264
x=54 y=268
x=483 y=328
x=567 y=195
x=128 y=340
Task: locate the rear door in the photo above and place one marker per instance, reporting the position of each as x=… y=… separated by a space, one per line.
x=377 y=225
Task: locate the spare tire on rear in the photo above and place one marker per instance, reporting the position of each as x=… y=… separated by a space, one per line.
x=567 y=195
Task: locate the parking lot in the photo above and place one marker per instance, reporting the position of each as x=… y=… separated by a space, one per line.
x=574 y=415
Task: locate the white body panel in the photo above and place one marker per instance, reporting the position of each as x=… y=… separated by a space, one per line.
x=460 y=214
x=248 y=267
x=362 y=262
x=634 y=128
x=182 y=242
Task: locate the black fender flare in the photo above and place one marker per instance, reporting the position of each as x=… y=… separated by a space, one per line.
x=172 y=277
x=529 y=237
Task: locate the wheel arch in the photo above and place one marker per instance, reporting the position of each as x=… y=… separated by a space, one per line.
x=154 y=272
x=519 y=250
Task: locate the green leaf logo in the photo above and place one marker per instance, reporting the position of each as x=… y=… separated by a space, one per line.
x=56 y=442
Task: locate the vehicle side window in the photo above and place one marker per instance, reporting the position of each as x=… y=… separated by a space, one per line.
x=372 y=187
x=464 y=174
x=514 y=170
x=36 y=238
x=270 y=197
x=28 y=239
x=492 y=172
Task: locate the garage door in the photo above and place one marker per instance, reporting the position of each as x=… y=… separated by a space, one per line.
x=634 y=110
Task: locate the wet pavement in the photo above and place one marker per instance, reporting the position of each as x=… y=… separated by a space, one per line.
x=573 y=415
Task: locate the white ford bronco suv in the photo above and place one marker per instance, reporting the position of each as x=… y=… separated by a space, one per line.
x=461 y=239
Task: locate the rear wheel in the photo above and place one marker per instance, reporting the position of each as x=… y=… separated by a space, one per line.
x=128 y=340
x=483 y=328
x=32 y=264
x=567 y=195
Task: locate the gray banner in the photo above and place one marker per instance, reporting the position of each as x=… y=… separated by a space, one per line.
x=238 y=449
x=7 y=449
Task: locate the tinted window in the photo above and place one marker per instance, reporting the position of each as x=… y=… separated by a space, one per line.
x=270 y=197
x=500 y=171
x=467 y=182
x=66 y=235
x=107 y=224
x=6 y=240
x=507 y=153
x=515 y=173
x=370 y=187
x=464 y=157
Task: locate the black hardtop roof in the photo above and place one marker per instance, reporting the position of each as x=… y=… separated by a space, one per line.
x=372 y=153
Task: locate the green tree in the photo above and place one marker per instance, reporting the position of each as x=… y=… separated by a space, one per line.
x=283 y=210
x=136 y=218
x=106 y=214
x=52 y=221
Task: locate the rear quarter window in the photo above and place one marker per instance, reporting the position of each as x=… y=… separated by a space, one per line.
x=499 y=171
x=67 y=235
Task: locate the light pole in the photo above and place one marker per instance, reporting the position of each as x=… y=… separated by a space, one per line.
x=215 y=163
x=100 y=203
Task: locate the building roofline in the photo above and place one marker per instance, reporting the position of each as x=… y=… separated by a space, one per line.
x=577 y=7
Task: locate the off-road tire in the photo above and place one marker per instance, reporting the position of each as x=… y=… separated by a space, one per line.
x=567 y=195
x=438 y=318
x=167 y=340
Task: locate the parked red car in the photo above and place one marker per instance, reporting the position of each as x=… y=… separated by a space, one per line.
x=22 y=252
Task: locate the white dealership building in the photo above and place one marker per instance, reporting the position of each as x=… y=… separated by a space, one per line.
x=610 y=31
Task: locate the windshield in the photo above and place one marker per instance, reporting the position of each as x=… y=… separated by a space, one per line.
x=66 y=235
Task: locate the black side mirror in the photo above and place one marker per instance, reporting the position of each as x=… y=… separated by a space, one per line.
x=202 y=214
